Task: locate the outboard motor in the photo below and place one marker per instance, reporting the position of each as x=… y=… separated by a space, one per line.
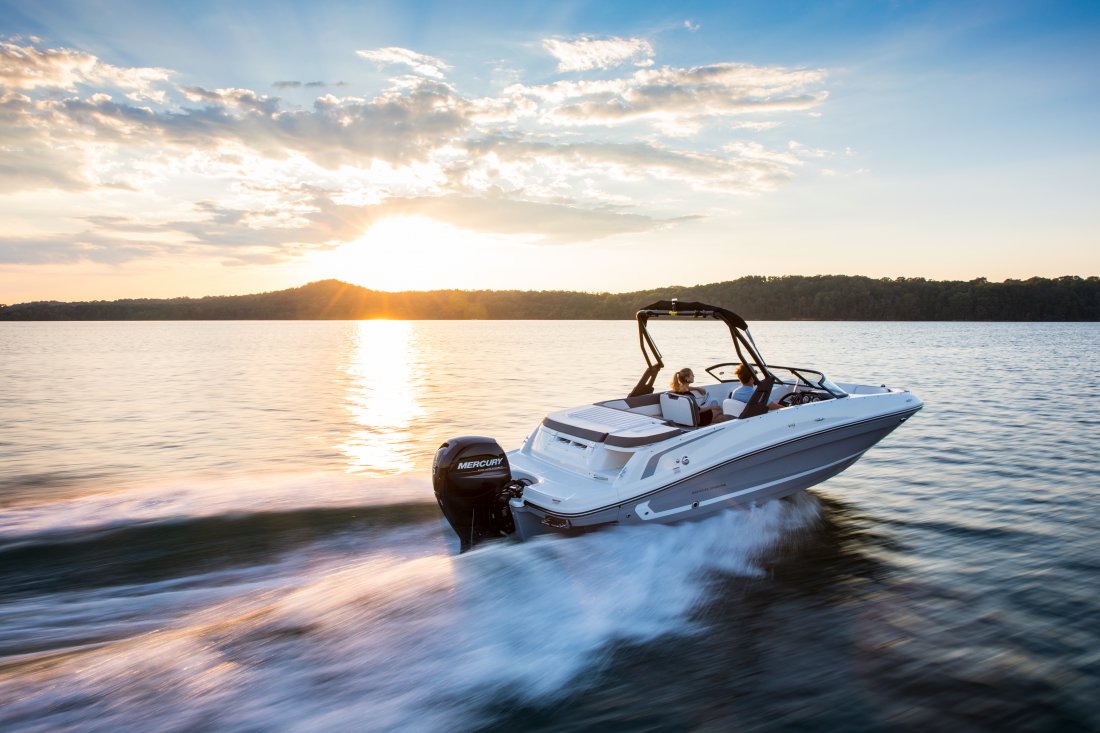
x=473 y=483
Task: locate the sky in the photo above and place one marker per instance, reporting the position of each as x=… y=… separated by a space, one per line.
x=165 y=149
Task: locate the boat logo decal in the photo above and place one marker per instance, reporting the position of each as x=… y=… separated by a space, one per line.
x=484 y=463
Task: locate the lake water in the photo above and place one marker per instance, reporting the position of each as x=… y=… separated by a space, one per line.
x=230 y=526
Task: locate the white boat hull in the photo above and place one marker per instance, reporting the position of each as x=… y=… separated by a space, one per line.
x=728 y=465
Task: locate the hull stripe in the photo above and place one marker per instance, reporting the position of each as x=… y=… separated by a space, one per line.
x=645 y=513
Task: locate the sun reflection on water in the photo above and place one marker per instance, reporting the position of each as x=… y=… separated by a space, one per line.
x=382 y=397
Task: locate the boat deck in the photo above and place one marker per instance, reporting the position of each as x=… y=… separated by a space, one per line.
x=614 y=427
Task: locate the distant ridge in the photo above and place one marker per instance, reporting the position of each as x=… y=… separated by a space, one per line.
x=821 y=297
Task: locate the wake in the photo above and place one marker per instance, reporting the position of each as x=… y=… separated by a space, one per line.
x=396 y=631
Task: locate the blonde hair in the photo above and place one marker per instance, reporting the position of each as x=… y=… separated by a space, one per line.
x=678 y=384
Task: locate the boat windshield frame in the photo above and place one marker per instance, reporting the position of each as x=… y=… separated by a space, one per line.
x=743 y=343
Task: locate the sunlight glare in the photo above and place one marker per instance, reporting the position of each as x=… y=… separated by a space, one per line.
x=413 y=253
x=382 y=398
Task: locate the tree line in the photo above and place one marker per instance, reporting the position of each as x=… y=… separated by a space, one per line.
x=792 y=297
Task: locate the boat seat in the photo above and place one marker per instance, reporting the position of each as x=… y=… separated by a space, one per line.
x=733 y=408
x=680 y=409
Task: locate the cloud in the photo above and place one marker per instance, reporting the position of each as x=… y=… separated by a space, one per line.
x=322 y=220
x=252 y=177
x=27 y=163
x=30 y=68
x=53 y=249
x=244 y=99
x=307 y=84
x=242 y=235
x=741 y=168
x=584 y=54
x=550 y=223
x=247 y=235
x=397 y=126
x=684 y=94
x=424 y=65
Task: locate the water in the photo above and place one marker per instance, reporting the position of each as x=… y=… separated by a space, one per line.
x=230 y=526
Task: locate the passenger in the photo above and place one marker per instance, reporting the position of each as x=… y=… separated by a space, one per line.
x=709 y=410
x=748 y=386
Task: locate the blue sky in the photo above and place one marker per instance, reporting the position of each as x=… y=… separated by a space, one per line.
x=193 y=148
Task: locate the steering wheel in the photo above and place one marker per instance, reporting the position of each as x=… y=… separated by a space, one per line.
x=799 y=398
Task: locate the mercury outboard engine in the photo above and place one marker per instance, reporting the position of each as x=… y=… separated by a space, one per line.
x=473 y=483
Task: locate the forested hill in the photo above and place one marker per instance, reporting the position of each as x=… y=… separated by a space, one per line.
x=824 y=297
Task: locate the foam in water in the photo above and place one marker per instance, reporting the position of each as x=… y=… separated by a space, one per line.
x=402 y=638
x=276 y=493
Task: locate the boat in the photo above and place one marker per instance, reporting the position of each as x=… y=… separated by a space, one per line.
x=652 y=457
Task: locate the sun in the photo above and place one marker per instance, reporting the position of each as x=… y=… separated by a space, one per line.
x=411 y=253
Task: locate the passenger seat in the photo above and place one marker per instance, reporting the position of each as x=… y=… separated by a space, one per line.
x=733 y=408
x=680 y=409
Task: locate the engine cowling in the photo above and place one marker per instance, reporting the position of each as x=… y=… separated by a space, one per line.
x=470 y=476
